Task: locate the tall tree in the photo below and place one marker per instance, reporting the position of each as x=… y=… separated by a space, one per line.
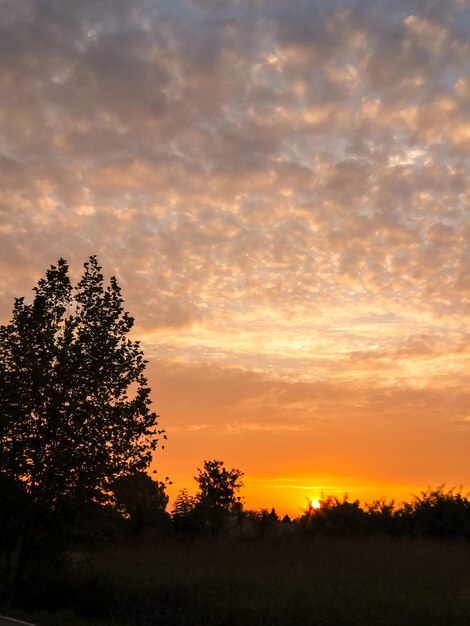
x=75 y=408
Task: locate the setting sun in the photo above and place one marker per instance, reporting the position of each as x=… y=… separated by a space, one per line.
x=315 y=504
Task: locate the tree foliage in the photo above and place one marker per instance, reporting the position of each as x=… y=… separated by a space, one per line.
x=437 y=512
x=184 y=504
x=434 y=513
x=216 y=502
x=335 y=516
x=75 y=408
x=219 y=486
x=141 y=499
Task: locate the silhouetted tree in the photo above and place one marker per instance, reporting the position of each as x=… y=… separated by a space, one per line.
x=217 y=495
x=267 y=520
x=335 y=516
x=184 y=504
x=437 y=512
x=219 y=486
x=382 y=516
x=185 y=512
x=74 y=401
x=141 y=499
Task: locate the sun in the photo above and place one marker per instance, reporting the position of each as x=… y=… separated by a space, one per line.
x=315 y=504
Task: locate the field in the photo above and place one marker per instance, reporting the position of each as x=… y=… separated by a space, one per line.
x=308 y=581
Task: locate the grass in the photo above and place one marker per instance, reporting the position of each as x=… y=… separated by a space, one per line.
x=301 y=581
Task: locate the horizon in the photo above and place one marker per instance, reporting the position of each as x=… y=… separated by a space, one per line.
x=283 y=195
x=298 y=492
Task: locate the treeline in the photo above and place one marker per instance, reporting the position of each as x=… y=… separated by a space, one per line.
x=137 y=507
x=136 y=512
x=433 y=513
x=438 y=513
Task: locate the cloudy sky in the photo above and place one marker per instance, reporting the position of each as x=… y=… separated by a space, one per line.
x=282 y=188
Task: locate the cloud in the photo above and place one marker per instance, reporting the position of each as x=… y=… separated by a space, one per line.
x=282 y=191
x=236 y=400
x=240 y=156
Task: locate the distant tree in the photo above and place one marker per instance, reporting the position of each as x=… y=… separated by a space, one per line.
x=219 y=486
x=437 y=512
x=335 y=516
x=185 y=513
x=267 y=520
x=218 y=499
x=184 y=504
x=383 y=516
x=141 y=499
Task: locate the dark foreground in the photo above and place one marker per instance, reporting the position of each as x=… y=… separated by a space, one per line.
x=294 y=581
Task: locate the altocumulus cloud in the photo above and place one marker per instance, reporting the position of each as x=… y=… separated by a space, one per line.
x=250 y=170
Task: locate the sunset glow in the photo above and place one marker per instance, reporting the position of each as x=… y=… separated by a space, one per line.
x=282 y=190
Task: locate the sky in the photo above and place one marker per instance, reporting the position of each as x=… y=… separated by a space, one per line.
x=282 y=189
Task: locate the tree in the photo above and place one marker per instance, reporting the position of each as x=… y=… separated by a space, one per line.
x=335 y=516
x=219 y=486
x=142 y=500
x=74 y=401
x=218 y=501
x=185 y=513
x=437 y=512
x=184 y=504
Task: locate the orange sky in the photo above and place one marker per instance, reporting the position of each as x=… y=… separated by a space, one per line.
x=282 y=190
